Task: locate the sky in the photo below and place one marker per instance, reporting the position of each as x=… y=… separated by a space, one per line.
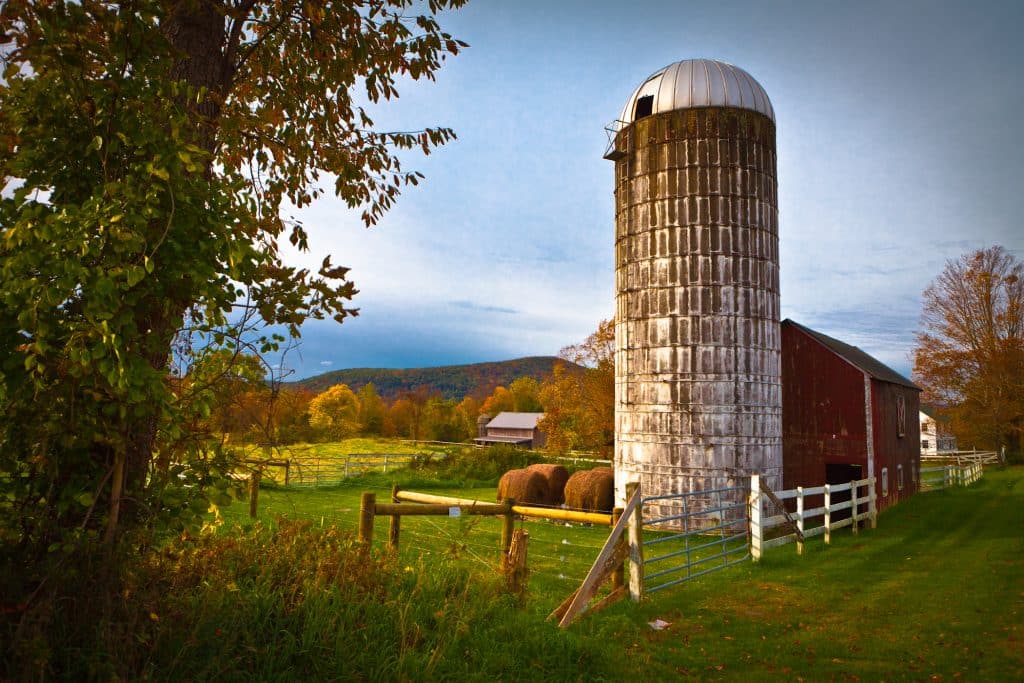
x=899 y=148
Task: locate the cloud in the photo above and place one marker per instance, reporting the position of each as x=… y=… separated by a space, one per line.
x=326 y=363
x=483 y=308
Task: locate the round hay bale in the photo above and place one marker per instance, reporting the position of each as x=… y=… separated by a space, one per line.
x=555 y=476
x=523 y=486
x=591 y=490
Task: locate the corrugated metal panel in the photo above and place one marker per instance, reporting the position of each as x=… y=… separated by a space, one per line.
x=700 y=83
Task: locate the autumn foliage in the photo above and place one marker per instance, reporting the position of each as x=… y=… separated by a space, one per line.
x=580 y=404
x=970 y=348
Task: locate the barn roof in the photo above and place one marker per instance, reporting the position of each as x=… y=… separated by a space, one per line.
x=855 y=357
x=509 y=420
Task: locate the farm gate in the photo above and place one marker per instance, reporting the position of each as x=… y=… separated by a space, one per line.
x=700 y=532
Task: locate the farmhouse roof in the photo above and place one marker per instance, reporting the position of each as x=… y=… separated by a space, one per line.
x=508 y=420
x=855 y=357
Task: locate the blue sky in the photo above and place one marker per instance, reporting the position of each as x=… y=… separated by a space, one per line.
x=899 y=148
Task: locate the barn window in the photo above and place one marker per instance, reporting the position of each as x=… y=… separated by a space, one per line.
x=885 y=482
x=644 y=107
x=924 y=444
x=901 y=415
x=899 y=477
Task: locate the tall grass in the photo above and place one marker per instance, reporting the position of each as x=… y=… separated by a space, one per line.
x=296 y=602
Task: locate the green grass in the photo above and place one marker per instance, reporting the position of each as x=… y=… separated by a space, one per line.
x=935 y=592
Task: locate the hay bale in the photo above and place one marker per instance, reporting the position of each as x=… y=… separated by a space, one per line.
x=591 y=490
x=523 y=486
x=555 y=477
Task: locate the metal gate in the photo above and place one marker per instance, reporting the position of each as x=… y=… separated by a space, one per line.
x=695 y=533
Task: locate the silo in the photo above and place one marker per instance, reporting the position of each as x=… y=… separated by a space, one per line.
x=698 y=401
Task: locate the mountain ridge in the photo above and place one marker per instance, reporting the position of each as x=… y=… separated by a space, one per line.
x=451 y=381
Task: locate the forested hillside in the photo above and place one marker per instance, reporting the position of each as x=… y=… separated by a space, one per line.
x=452 y=382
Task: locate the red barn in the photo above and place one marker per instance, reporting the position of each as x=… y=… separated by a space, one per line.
x=845 y=416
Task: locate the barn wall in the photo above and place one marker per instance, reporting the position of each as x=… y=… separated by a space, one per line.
x=892 y=450
x=823 y=417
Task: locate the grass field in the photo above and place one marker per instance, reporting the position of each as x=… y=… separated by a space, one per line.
x=935 y=593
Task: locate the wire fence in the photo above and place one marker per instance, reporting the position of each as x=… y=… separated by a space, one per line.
x=559 y=553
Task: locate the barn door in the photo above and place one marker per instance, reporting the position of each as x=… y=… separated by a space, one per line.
x=841 y=473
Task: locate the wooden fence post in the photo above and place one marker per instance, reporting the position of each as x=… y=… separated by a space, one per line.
x=872 y=503
x=366 y=513
x=254 y=492
x=756 y=532
x=396 y=522
x=800 y=519
x=619 y=577
x=515 y=572
x=636 y=546
x=287 y=471
x=853 y=505
x=828 y=514
x=508 y=526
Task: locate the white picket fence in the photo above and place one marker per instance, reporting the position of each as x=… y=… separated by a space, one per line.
x=935 y=478
x=766 y=516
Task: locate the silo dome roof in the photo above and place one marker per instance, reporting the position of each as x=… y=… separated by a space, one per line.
x=697 y=83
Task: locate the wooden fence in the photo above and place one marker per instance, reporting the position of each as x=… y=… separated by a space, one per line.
x=406 y=503
x=820 y=510
x=961 y=458
x=324 y=471
x=935 y=478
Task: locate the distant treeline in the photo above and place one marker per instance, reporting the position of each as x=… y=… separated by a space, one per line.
x=478 y=380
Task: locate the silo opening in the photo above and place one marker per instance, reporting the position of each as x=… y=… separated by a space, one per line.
x=644 y=107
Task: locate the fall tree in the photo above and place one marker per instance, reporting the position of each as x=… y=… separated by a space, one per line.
x=500 y=400
x=970 y=347
x=525 y=392
x=147 y=151
x=334 y=414
x=371 y=410
x=468 y=411
x=579 y=403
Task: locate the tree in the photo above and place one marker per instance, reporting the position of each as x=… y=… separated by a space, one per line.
x=579 y=402
x=524 y=392
x=500 y=401
x=147 y=149
x=334 y=414
x=970 y=347
x=371 y=410
x=468 y=411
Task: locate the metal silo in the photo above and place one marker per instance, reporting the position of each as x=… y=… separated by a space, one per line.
x=697 y=341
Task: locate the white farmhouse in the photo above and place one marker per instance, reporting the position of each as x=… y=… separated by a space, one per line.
x=935 y=435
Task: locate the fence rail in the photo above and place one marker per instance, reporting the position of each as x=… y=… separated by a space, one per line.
x=934 y=478
x=964 y=457
x=327 y=471
x=834 y=506
x=709 y=532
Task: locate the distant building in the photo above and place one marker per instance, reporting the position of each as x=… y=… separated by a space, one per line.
x=845 y=416
x=935 y=435
x=518 y=429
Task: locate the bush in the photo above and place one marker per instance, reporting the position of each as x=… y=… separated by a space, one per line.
x=295 y=602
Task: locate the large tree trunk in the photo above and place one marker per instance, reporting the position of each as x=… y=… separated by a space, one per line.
x=196 y=31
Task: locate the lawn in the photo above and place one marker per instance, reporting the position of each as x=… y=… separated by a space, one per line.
x=936 y=592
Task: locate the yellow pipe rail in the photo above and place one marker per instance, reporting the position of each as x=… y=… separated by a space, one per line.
x=554 y=514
